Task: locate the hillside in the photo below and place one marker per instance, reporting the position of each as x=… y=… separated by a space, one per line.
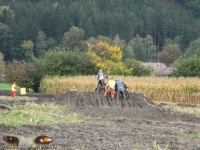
x=126 y=19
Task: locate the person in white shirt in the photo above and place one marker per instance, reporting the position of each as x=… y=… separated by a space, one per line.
x=100 y=77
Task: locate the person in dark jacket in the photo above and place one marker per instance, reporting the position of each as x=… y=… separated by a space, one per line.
x=120 y=87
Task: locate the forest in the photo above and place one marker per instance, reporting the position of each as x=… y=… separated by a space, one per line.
x=33 y=31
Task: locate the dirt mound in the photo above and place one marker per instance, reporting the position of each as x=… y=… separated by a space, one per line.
x=88 y=99
x=135 y=122
x=96 y=99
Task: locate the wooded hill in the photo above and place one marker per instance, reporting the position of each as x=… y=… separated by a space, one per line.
x=32 y=27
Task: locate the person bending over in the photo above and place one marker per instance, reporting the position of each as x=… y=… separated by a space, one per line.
x=110 y=88
x=120 y=85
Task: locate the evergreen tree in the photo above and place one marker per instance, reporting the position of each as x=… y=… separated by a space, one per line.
x=150 y=49
x=27 y=50
x=193 y=49
x=139 y=49
x=40 y=46
x=6 y=40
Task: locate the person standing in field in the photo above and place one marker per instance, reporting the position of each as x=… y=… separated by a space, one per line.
x=13 y=89
x=110 y=88
x=100 y=77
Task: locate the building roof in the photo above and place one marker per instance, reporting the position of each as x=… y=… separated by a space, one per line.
x=160 y=69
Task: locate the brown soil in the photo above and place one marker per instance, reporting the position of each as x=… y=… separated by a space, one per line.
x=134 y=123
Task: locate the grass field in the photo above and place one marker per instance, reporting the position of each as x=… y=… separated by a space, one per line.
x=38 y=114
x=5 y=86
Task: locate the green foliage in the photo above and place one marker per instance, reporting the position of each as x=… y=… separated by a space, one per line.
x=6 y=8
x=2 y=64
x=6 y=40
x=51 y=42
x=169 y=54
x=128 y=52
x=73 y=38
x=104 y=39
x=187 y=67
x=70 y=23
x=40 y=46
x=150 y=48
x=176 y=40
x=142 y=49
x=5 y=86
x=27 y=50
x=61 y=61
x=30 y=114
x=138 y=68
x=194 y=6
x=138 y=49
x=117 y=41
x=194 y=48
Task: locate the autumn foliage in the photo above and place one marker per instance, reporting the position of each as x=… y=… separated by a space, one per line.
x=19 y=72
x=108 y=58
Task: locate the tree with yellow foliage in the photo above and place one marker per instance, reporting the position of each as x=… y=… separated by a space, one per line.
x=108 y=58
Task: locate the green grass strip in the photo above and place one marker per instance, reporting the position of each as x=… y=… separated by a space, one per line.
x=38 y=114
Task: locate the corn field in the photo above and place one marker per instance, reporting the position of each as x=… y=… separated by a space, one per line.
x=183 y=90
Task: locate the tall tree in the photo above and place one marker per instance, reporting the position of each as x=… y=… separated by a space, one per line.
x=6 y=15
x=138 y=48
x=40 y=46
x=194 y=6
x=73 y=38
x=89 y=28
x=128 y=52
x=117 y=41
x=107 y=58
x=169 y=54
x=27 y=50
x=51 y=42
x=194 y=48
x=6 y=40
x=150 y=49
x=2 y=64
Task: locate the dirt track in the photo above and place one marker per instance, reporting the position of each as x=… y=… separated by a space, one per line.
x=133 y=123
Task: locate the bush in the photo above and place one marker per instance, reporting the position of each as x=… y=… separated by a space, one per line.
x=187 y=67
x=19 y=72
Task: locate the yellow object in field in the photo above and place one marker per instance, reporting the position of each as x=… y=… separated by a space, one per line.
x=23 y=91
x=73 y=89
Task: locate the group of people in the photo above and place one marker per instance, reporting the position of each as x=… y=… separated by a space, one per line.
x=113 y=86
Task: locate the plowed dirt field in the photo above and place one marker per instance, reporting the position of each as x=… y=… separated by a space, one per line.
x=134 y=123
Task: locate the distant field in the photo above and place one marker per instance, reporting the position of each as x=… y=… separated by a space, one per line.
x=184 y=90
